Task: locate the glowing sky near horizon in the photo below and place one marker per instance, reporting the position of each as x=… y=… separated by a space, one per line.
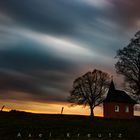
x=46 y=44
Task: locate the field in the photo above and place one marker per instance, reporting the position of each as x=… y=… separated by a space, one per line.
x=28 y=126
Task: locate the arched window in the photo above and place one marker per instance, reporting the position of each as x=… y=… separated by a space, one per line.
x=117 y=108
x=127 y=109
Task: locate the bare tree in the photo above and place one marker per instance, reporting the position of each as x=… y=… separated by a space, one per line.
x=128 y=65
x=89 y=89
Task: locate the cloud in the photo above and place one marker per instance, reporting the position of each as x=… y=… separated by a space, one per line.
x=59 y=16
x=128 y=12
x=25 y=68
x=97 y=3
x=43 y=44
x=6 y=34
x=46 y=19
x=34 y=87
x=59 y=45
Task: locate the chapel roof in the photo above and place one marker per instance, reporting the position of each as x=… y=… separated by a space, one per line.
x=118 y=95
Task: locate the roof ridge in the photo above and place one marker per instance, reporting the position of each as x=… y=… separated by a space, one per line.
x=115 y=95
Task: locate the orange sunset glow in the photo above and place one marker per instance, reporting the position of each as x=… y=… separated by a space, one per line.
x=50 y=108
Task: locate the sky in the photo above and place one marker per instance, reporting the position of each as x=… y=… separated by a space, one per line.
x=46 y=44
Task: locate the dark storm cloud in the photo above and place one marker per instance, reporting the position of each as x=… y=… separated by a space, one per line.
x=13 y=85
x=26 y=68
x=29 y=57
x=42 y=16
x=85 y=21
x=55 y=16
x=128 y=11
x=43 y=42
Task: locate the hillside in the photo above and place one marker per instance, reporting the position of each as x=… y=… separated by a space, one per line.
x=53 y=127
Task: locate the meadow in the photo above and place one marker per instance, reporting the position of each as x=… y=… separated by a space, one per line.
x=28 y=126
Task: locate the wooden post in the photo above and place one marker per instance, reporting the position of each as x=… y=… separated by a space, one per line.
x=62 y=110
x=2 y=107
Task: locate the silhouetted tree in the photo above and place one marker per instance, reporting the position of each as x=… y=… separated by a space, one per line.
x=129 y=65
x=89 y=89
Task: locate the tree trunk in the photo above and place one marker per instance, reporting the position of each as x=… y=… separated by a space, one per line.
x=91 y=112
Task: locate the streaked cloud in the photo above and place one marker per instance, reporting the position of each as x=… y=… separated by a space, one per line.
x=128 y=12
x=97 y=3
x=60 y=46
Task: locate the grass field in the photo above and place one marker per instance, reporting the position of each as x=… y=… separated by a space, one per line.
x=30 y=126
